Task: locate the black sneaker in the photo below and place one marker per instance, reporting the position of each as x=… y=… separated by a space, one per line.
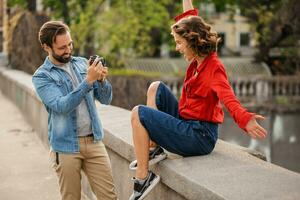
x=141 y=190
x=155 y=155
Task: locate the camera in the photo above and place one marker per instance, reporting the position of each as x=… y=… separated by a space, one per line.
x=102 y=60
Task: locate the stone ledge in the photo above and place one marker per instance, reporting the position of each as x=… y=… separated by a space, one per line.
x=230 y=172
x=227 y=173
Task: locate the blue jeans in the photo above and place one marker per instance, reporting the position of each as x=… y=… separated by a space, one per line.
x=167 y=129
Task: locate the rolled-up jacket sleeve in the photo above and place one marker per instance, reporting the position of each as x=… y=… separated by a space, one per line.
x=103 y=91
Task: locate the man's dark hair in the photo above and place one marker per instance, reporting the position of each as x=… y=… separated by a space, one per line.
x=50 y=30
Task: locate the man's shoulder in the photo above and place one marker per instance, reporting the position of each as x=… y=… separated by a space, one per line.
x=43 y=68
x=40 y=70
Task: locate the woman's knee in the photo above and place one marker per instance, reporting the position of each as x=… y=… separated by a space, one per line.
x=135 y=115
x=153 y=89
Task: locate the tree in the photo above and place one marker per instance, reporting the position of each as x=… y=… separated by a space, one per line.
x=276 y=24
x=117 y=31
x=137 y=30
x=30 y=5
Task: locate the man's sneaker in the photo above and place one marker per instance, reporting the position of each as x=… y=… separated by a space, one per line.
x=141 y=188
x=155 y=155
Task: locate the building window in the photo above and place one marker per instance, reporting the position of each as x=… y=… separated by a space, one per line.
x=244 y=39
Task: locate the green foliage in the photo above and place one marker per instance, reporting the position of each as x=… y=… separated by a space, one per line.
x=128 y=33
x=128 y=72
x=276 y=28
x=56 y=7
x=125 y=29
x=265 y=18
x=84 y=26
x=21 y=3
x=138 y=28
x=282 y=100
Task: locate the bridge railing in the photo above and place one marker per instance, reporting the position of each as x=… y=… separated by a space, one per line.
x=255 y=88
x=182 y=178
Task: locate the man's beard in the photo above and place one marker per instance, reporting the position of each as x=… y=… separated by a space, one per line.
x=61 y=58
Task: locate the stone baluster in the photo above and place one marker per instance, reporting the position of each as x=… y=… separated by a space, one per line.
x=277 y=88
x=251 y=88
x=284 y=87
x=233 y=85
x=297 y=88
x=238 y=88
x=244 y=89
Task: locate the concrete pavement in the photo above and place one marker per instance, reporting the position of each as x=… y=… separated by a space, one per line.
x=25 y=171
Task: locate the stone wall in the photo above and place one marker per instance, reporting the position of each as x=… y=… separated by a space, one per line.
x=227 y=173
x=23 y=48
x=129 y=91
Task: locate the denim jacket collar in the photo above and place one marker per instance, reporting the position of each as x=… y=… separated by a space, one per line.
x=48 y=65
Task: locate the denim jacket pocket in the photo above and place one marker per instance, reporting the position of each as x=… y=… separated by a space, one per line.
x=82 y=75
x=62 y=85
x=59 y=82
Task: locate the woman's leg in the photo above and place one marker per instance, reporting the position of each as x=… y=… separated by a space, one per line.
x=160 y=97
x=151 y=101
x=151 y=94
x=141 y=144
x=157 y=97
x=186 y=138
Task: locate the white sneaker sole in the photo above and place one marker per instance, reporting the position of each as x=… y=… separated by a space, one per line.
x=133 y=164
x=152 y=185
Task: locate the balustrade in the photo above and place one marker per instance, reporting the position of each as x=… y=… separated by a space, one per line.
x=255 y=89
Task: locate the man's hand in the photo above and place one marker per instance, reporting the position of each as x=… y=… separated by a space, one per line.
x=93 y=71
x=254 y=129
x=103 y=73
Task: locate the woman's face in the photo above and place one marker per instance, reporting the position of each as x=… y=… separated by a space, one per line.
x=183 y=48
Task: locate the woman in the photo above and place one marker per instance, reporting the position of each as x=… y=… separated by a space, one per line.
x=188 y=127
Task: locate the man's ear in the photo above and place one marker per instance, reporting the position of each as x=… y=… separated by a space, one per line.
x=46 y=47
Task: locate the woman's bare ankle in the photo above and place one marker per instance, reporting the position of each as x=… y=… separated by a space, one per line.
x=141 y=174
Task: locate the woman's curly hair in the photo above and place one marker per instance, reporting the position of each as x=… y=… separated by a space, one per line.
x=198 y=34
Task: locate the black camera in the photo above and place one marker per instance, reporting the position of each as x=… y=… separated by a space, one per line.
x=102 y=60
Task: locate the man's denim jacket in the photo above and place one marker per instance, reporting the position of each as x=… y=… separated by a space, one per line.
x=55 y=89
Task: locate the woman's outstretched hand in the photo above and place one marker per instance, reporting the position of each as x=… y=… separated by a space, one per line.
x=254 y=129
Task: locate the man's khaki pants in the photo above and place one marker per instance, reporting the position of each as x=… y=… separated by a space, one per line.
x=95 y=163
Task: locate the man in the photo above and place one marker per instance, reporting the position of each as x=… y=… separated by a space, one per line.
x=67 y=87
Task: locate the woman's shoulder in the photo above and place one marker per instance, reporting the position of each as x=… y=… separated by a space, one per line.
x=215 y=61
x=216 y=65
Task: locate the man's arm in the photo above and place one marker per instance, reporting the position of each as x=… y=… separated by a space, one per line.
x=187 y=5
x=51 y=95
x=102 y=87
x=103 y=91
